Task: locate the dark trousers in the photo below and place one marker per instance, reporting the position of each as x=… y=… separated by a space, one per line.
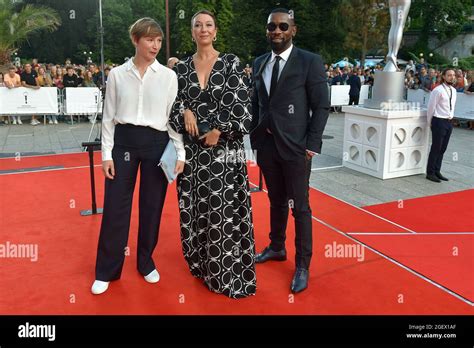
x=288 y=187
x=354 y=99
x=134 y=147
x=441 y=130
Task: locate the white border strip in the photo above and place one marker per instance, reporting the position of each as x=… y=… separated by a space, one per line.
x=325 y=168
x=368 y=212
x=48 y=170
x=407 y=234
x=439 y=286
x=46 y=154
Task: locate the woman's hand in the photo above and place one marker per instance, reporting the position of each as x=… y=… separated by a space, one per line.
x=108 y=169
x=211 y=137
x=190 y=123
x=179 y=167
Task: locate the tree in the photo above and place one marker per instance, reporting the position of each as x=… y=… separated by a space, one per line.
x=117 y=18
x=366 y=26
x=18 y=22
x=247 y=39
x=67 y=41
x=444 y=17
x=320 y=28
x=181 y=16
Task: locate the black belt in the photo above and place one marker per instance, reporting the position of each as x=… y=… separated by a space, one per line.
x=450 y=120
x=132 y=126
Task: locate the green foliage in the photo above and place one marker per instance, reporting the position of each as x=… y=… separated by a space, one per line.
x=367 y=27
x=334 y=29
x=19 y=21
x=466 y=63
x=445 y=17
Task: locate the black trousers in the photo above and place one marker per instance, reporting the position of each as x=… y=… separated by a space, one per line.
x=288 y=187
x=354 y=99
x=441 y=130
x=134 y=147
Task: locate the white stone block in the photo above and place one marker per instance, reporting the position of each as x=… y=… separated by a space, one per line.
x=397 y=160
x=371 y=158
x=352 y=153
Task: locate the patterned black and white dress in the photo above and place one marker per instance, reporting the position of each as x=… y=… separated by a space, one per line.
x=215 y=210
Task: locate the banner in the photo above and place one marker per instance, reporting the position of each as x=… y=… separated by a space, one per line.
x=340 y=95
x=418 y=96
x=464 y=104
x=364 y=94
x=82 y=101
x=28 y=101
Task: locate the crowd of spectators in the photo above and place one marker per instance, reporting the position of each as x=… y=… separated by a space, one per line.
x=35 y=75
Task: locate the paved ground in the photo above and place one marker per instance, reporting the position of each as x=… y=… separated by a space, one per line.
x=328 y=176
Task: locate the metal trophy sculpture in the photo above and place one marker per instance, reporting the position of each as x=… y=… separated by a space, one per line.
x=388 y=90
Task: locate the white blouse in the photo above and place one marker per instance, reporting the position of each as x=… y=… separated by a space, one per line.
x=139 y=101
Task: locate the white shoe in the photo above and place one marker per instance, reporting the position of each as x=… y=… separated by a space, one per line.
x=19 y=121
x=153 y=277
x=99 y=287
x=33 y=123
x=55 y=121
x=14 y=121
x=50 y=122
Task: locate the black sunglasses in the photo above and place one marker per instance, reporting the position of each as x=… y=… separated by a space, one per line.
x=272 y=26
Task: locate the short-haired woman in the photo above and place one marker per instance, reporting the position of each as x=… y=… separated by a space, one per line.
x=135 y=132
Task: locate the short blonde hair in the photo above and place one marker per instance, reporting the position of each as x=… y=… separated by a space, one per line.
x=145 y=27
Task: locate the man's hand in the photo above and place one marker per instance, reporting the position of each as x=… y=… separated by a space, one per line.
x=108 y=169
x=179 y=167
x=190 y=123
x=310 y=154
x=212 y=137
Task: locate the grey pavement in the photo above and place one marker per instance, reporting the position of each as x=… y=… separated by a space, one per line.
x=328 y=174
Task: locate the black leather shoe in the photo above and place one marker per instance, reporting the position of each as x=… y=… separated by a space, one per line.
x=268 y=254
x=433 y=178
x=300 y=280
x=440 y=176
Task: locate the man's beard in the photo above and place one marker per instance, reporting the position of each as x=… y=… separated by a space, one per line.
x=450 y=83
x=278 y=46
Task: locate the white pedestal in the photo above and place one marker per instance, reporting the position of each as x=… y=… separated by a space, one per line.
x=385 y=144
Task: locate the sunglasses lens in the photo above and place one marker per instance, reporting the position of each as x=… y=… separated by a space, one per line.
x=271 y=26
x=283 y=26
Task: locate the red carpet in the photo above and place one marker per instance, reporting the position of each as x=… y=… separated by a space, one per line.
x=445 y=259
x=43 y=208
x=450 y=212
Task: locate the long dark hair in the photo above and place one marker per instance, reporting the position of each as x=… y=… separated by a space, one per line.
x=443 y=74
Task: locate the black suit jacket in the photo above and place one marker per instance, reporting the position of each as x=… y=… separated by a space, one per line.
x=302 y=87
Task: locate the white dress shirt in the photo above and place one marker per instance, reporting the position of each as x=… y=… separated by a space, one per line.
x=439 y=104
x=139 y=101
x=267 y=72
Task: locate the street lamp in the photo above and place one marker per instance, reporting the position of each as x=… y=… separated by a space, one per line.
x=167 y=14
x=101 y=29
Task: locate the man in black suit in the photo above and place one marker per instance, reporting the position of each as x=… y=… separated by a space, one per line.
x=290 y=109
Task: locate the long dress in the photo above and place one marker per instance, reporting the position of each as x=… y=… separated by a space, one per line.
x=217 y=233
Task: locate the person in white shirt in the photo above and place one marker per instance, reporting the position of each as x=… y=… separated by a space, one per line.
x=135 y=132
x=440 y=114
